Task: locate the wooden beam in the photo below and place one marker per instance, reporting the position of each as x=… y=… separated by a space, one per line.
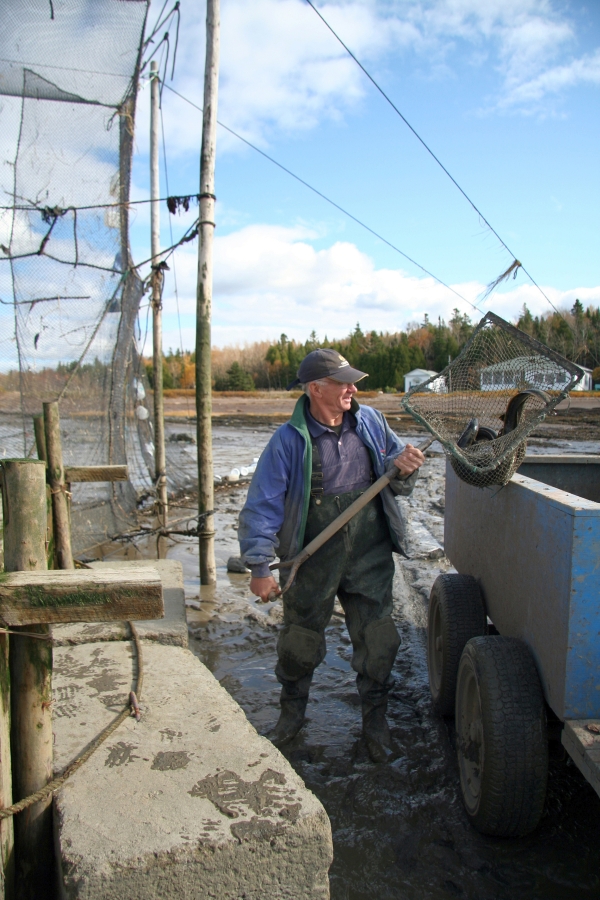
x=80 y=595
x=95 y=473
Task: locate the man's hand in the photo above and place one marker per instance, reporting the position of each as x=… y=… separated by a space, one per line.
x=262 y=587
x=408 y=461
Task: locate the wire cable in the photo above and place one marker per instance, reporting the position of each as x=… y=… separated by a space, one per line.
x=327 y=200
x=431 y=153
x=407 y=123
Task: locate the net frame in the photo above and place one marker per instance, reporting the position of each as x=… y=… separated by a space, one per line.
x=62 y=62
x=490 y=461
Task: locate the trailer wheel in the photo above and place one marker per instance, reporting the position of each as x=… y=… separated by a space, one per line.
x=501 y=736
x=456 y=614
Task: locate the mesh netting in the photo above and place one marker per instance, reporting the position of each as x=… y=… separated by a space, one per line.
x=486 y=401
x=69 y=294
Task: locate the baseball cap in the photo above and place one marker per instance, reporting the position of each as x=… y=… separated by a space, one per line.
x=326 y=363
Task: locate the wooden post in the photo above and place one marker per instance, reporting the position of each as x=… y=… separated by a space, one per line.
x=40 y=443
x=24 y=504
x=208 y=569
x=56 y=479
x=40 y=437
x=160 y=459
x=7 y=838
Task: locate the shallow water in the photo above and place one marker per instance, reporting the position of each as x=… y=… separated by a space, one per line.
x=399 y=830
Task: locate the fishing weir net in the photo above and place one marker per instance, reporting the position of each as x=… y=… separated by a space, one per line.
x=485 y=402
x=69 y=292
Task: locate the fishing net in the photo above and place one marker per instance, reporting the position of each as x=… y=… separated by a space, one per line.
x=484 y=404
x=69 y=292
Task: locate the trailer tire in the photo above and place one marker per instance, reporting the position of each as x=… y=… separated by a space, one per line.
x=456 y=614
x=501 y=736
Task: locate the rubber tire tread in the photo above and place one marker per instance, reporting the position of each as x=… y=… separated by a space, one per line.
x=515 y=769
x=462 y=618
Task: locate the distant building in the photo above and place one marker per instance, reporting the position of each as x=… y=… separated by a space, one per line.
x=417 y=376
x=586 y=383
x=530 y=371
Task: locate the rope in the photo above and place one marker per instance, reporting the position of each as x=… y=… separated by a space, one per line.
x=56 y=783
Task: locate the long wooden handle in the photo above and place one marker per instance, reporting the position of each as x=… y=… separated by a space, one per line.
x=341 y=520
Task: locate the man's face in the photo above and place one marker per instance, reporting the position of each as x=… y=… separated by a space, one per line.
x=336 y=395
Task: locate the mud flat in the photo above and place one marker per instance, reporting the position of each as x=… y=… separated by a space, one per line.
x=189 y=802
x=399 y=831
x=577 y=418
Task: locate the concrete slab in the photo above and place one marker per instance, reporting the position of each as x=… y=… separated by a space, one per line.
x=190 y=802
x=172 y=629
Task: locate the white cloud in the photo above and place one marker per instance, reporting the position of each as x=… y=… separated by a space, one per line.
x=282 y=70
x=270 y=280
x=558 y=78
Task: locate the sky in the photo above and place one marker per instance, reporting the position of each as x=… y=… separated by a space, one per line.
x=505 y=93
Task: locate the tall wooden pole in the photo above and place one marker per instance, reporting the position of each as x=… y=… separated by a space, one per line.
x=157 y=283
x=56 y=480
x=208 y=570
x=24 y=504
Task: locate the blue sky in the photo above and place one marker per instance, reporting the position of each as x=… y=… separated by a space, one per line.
x=506 y=94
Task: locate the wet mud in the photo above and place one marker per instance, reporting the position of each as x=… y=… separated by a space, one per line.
x=399 y=830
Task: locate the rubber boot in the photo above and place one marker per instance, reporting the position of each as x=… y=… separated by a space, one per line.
x=291 y=720
x=377 y=732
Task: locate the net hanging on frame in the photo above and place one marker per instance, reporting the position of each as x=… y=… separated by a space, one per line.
x=69 y=296
x=485 y=402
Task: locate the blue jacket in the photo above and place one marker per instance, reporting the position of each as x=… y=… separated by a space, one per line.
x=273 y=520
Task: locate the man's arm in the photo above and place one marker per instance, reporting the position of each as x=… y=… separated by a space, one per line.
x=262 y=516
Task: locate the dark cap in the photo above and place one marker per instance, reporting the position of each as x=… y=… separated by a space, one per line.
x=326 y=363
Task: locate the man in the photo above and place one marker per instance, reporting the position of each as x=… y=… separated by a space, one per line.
x=312 y=469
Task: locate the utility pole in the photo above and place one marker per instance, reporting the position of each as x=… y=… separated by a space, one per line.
x=157 y=283
x=206 y=491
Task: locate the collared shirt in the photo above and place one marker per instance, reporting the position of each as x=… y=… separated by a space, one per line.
x=345 y=459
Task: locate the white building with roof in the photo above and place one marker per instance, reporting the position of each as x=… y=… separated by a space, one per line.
x=417 y=376
x=530 y=371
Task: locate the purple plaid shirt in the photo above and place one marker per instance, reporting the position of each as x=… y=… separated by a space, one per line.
x=345 y=459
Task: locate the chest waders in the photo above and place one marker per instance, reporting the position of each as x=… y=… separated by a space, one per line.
x=356 y=564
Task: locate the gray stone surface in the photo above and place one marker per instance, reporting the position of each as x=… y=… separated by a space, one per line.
x=172 y=629
x=190 y=802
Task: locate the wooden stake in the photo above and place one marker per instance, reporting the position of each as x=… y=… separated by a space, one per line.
x=40 y=443
x=56 y=479
x=160 y=458
x=208 y=569
x=24 y=504
x=7 y=838
x=40 y=437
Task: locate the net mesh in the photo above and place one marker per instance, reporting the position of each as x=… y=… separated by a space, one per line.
x=484 y=404
x=69 y=293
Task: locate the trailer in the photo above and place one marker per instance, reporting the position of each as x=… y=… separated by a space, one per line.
x=513 y=639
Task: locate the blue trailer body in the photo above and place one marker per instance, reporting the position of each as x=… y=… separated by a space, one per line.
x=535 y=551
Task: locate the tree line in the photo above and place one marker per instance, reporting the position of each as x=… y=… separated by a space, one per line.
x=387 y=357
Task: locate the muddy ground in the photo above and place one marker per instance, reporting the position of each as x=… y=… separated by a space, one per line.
x=399 y=830
x=576 y=419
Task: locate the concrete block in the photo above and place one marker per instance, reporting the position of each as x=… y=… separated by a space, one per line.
x=172 y=629
x=190 y=802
